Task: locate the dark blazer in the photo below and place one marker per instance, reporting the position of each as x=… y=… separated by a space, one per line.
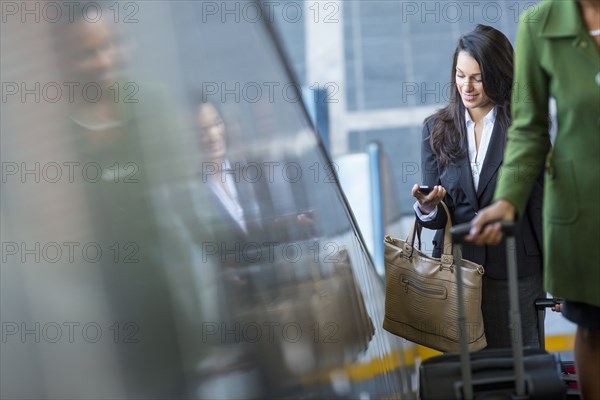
x=464 y=203
x=204 y=216
x=268 y=221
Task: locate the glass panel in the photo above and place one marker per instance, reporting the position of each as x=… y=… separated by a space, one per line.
x=171 y=226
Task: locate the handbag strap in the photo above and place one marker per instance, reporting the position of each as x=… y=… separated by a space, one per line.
x=411 y=236
x=447 y=257
x=447 y=236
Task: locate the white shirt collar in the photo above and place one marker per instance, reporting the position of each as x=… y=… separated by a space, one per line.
x=490 y=117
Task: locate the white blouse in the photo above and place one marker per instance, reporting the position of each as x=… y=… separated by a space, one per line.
x=477 y=156
x=229 y=200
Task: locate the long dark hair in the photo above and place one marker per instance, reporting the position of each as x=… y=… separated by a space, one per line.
x=494 y=54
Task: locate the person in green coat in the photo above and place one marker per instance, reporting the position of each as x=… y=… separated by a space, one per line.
x=558 y=56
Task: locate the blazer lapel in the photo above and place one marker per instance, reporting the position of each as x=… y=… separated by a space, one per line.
x=493 y=158
x=466 y=179
x=224 y=219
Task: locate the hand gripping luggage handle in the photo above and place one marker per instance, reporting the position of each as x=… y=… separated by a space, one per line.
x=458 y=233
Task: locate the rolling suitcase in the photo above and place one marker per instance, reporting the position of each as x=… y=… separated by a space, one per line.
x=495 y=373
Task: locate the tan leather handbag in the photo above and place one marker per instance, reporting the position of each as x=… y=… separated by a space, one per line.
x=421 y=303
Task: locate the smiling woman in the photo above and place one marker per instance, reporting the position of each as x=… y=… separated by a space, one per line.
x=482 y=72
x=469 y=84
x=461 y=151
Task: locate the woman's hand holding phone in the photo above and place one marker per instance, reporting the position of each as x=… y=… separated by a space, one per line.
x=428 y=198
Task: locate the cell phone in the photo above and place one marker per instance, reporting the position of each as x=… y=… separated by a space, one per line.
x=425 y=189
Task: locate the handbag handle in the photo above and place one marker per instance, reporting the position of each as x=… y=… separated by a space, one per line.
x=447 y=251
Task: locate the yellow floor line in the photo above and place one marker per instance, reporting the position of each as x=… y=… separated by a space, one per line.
x=369 y=369
x=389 y=362
x=560 y=342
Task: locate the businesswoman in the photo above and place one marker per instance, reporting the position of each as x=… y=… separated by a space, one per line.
x=461 y=150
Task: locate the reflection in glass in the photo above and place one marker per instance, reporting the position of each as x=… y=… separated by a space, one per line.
x=173 y=215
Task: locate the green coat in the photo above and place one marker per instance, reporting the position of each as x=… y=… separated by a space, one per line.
x=556 y=57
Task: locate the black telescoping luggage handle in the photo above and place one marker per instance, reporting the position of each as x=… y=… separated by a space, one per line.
x=459 y=231
x=542 y=304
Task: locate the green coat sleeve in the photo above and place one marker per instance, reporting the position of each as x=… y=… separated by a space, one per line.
x=528 y=137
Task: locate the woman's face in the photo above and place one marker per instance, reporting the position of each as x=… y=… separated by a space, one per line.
x=97 y=54
x=469 y=83
x=212 y=131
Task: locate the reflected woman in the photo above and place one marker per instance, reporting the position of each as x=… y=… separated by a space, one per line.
x=461 y=150
x=236 y=206
x=122 y=139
